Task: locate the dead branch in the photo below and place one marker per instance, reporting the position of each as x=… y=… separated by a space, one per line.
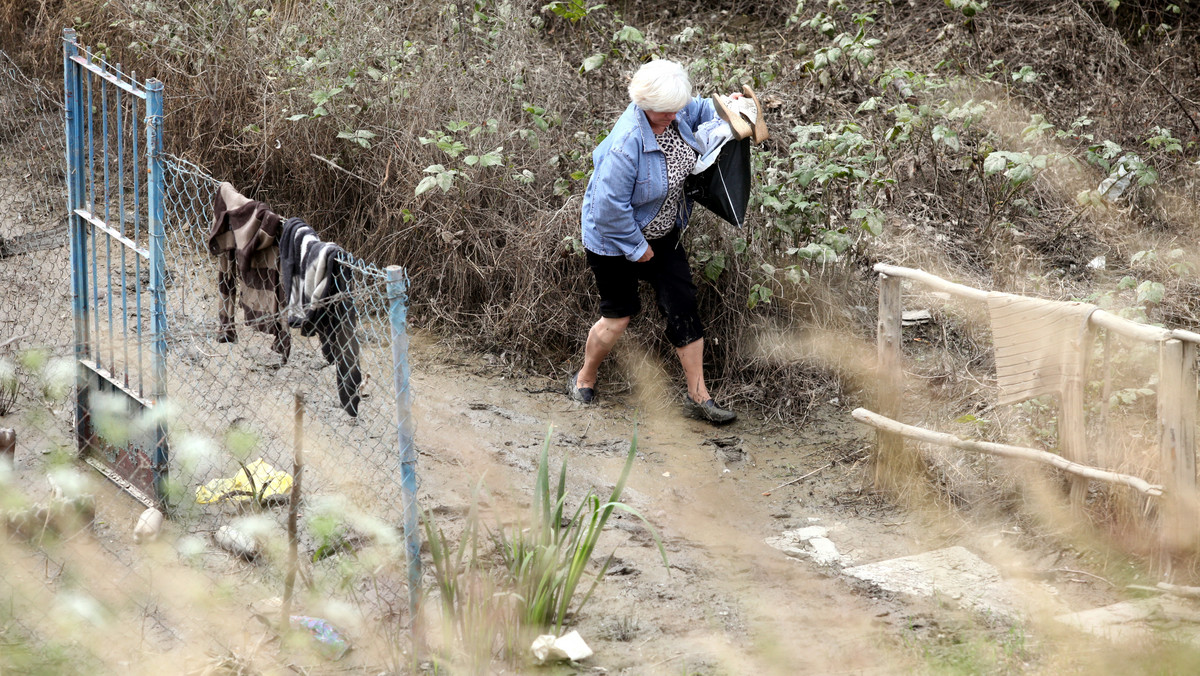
x=1018 y=452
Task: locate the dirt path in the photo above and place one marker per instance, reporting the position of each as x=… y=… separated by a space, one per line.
x=730 y=604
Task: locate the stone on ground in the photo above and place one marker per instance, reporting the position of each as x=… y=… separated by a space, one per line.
x=953 y=574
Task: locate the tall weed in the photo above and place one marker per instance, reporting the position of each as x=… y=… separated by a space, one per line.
x=495 y=599
x=548 y=558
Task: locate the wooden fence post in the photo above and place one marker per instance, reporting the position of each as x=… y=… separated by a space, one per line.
x=1107 y=457
x=1177 y=439
x=889 y=459
x=1072 y=431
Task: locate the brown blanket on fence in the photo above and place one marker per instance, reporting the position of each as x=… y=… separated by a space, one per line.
x=244 y=238
x=1037 y=344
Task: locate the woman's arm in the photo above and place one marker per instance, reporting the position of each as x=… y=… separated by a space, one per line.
x=698 y=111
x=611 y=204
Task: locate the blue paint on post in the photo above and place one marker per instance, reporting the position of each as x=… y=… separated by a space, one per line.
x=137 y=237
x=121 y=218
x=78 y=237
x=397 y=283
x=158 y=308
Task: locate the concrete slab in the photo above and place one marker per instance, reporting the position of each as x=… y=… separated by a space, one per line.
x=1125 y=621
x=954 y=574
x=1140 y=619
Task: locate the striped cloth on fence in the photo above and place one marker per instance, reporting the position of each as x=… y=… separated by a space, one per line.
x=320 y=300
x=1038 y=348
x=243 y=237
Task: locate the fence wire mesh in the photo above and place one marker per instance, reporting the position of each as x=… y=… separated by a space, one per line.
x=218 y=383
x=229 y=406
x=33 y=230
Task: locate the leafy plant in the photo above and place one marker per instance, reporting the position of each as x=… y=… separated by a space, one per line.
x=572 y=10
x=547 y=559
x=1025 y=74
x=479 y=616
x=493 y=609
x=440 y=177
x=845 y=49
x=759 y=294
x=360 y=136
x=969 y=8
x=9 y=386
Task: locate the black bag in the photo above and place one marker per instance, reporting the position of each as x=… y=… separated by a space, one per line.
x=725 y=186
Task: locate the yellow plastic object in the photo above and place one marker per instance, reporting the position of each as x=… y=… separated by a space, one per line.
x=268 y=483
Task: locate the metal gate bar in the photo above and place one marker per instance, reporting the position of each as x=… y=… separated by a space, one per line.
x=94 y=87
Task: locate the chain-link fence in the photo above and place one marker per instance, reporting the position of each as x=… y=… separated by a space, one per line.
x=33 y=226
x=234 y=365
x=219 y=383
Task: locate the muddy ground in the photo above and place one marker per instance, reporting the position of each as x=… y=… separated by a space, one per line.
x=728 y=603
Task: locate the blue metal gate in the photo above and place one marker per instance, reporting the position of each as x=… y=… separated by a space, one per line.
x=115 y=200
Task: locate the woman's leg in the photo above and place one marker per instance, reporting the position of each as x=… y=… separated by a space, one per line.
x=691 y=357
x=600 y=341
x=675 y=293
x=701 y=405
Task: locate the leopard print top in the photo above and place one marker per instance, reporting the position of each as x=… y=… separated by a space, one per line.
x=680 y=161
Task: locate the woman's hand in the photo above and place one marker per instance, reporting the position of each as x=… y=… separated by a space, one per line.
x=648 y=255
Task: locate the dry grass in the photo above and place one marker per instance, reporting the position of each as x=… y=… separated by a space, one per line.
x=491 y=260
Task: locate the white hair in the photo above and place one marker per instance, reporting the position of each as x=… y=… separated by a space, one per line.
x=661 y=86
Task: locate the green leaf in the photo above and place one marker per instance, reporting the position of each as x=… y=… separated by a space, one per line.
x=1025 y=74
x=995 y=162
x=871 y=219
x=426 y=184
x=1151 y=292
x=360 y=136
x=452 y=148
x=814 y=251
x=1020 y=173
x=759 y=294
x=795 y=275
x=591 y=63
x=946 y=136
x=715 y=266
x=321 y=96
x=630 y=34
x=445 y=180
x=493 y=158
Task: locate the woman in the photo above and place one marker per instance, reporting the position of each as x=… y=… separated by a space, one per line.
x=633 y=213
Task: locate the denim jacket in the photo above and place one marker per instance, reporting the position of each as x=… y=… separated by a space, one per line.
x=629 y=181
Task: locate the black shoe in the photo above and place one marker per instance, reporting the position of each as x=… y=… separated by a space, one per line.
x=584 y=395
x=708 y=412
